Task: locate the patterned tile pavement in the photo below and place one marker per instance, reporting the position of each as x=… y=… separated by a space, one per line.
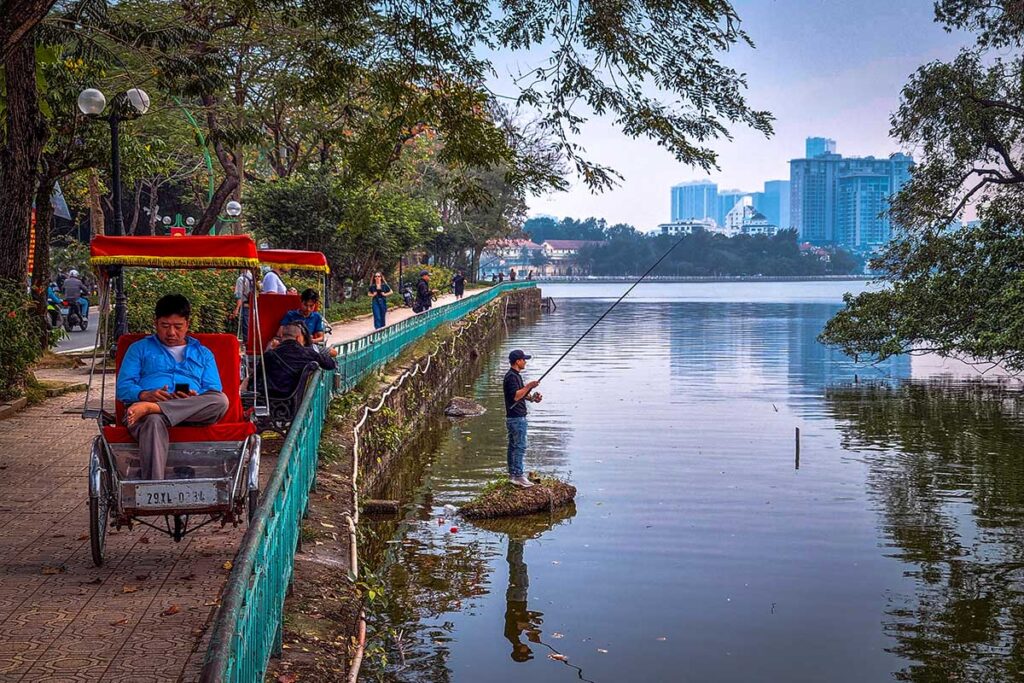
x=143 y=616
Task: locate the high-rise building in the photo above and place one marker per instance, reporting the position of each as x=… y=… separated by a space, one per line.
x=775 y=203
x=832 y=198
x=727 y=200
x=815 y=147
x=694 y=200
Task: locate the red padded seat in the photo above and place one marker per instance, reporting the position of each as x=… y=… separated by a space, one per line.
x=272 y=308
x=232 y=427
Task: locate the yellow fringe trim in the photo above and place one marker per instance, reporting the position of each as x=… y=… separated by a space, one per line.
x=176 y=261
x=299 y=266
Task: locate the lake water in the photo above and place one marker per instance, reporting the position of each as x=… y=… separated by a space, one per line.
x=700 y=548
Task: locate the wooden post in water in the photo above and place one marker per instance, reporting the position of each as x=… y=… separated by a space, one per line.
x=797 y=448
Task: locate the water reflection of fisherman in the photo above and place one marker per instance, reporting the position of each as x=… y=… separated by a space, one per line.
x=518 y=618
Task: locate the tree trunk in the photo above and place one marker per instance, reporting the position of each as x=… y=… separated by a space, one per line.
x=232 y=179
x=134 y=226
x=96 y=221
x=154 y=194
x=41 y=255
x=19 y=159
x=17 y=20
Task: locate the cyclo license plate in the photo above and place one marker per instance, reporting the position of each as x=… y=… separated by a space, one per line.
x=178 y=494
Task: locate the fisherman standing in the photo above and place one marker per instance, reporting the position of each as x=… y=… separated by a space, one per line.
x=517 y=393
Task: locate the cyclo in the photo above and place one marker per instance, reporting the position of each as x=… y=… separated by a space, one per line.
x=264 y=320
x=222 y=460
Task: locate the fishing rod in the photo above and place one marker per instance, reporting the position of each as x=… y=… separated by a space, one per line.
x=617 y=302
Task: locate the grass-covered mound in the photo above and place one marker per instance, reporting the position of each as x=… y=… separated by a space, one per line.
x=505 y=499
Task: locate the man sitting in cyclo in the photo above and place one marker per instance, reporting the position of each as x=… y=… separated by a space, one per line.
x=168 y=378
x=307 y=316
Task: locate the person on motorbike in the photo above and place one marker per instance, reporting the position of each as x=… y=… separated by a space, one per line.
x=53 y=295
x=74 y=290
x=54 y=301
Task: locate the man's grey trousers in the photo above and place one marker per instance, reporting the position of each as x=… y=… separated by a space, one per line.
x=151 y=431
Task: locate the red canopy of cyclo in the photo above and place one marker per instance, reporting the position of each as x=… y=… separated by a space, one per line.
x=201 y=251
x=293 y=258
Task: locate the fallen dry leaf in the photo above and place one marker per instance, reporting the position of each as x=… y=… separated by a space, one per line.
x=228 y=565
x=326 y=525
x=95 y=582
x=129 y=589
x=144 y=539
x=53 y=570
x=119 y=622
x=557 y=657
x=287 y=678
x=141 y=577
x=83 y=537
x=211 y=603
x=556 y=634
x=173 y=609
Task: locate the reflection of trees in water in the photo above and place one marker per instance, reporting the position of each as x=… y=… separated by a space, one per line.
x=933 y=449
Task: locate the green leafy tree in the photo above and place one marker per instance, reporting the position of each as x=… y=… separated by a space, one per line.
x=954 y=288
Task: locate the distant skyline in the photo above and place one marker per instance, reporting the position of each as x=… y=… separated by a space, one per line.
x=824 y=69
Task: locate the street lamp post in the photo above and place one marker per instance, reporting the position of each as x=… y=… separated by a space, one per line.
x=233 y=209
x=125 y=106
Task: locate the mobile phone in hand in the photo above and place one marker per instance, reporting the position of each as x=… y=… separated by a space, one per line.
x=181 y=388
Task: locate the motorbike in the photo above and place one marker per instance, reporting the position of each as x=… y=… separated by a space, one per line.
x=72 y=313
x=54 y=317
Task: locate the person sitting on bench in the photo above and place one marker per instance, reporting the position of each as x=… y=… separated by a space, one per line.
x=284 y=363
x=307 y=315
x=167 y=379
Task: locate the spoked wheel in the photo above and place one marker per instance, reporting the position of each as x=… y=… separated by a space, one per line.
x=54 y=317
x=99 y=502
x=68 y=325
x=253 y=503
x=99 y=520
x=84 y=325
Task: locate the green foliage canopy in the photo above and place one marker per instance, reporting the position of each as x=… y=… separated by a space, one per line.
x=954 y=288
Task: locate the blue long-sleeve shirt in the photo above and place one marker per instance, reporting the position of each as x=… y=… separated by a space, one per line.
x=148 y=365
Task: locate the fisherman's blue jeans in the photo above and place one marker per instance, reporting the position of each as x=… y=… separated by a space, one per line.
x=516 y=445
x=380 y=306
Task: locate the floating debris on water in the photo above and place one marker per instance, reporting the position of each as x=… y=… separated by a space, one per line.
x=464 y=407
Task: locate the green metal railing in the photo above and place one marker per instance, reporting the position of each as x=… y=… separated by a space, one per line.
x=247 y=628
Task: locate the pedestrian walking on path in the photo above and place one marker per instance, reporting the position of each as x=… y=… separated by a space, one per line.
x=459 y=285
x=242 y=293
x=272 y=282
x=517 y=393
x=379 y=289
x=424 y=295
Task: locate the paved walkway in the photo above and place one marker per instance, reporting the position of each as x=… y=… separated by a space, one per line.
x=144 y=615
x=363 y=325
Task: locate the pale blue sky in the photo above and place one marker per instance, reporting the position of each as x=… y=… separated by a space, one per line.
x=825 y=68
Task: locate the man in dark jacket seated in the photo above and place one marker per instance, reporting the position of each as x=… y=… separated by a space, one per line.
x=284 y=364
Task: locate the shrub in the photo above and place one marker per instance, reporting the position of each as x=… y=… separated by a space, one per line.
x=20 y=332
x=210 y=292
